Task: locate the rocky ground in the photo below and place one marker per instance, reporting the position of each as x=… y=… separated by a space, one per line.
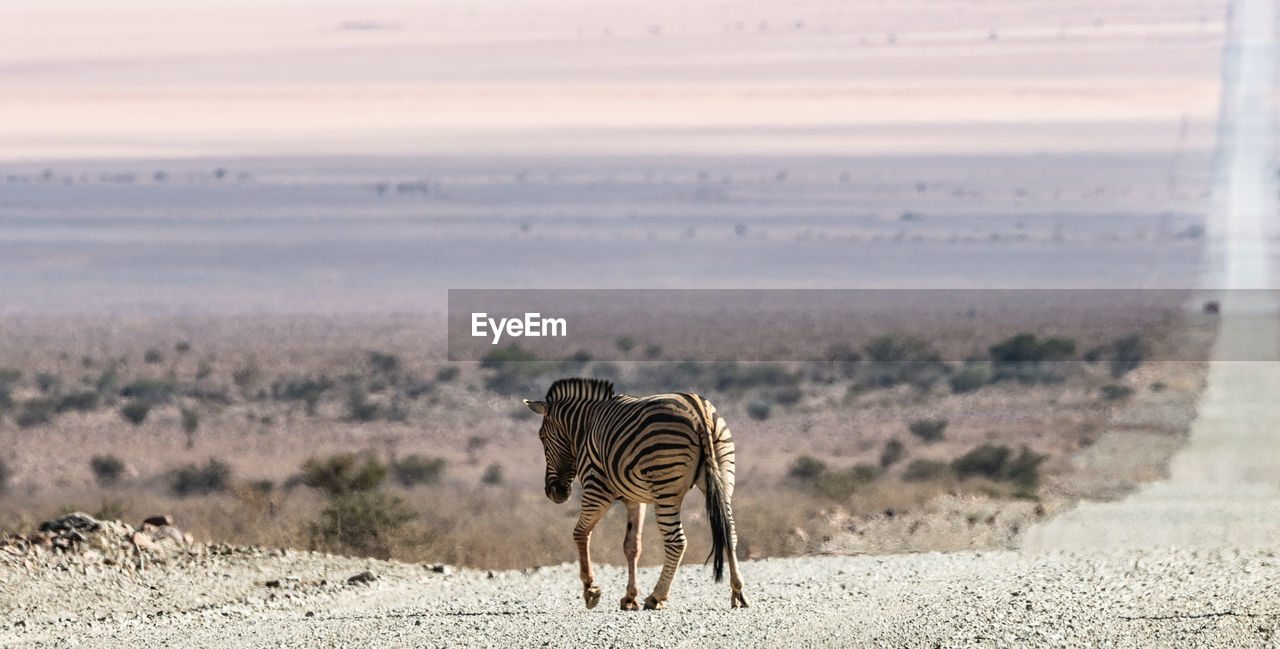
x=216 y=596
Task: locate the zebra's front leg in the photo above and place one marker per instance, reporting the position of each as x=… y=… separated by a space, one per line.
x=631 y=547
x=668 y=515
x=593 y=509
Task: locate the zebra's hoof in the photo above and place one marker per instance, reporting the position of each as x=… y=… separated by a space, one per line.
x=739 y=601
x=651 y=603
x=629 y=604
x=591 y=596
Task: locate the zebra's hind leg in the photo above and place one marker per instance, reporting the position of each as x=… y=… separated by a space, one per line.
x=631 y=547
x=593 y=509
x=668 y=514
x=736 y=598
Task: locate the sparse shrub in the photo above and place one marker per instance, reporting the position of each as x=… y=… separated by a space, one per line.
x=515 y=370
x=759 y=410
x=1128 y=352
x=48 y=383
x=928 y=430
x=153 y=356
x=110 y=509
x=1024 y=470
x=652 y=352
x=844 y=359
x=894 y=360
x=807 y=468
x=5 y=475
x=107 y=469
x=135 y=412
x=150 y=391
x=625 y=344
x=83 y=401
x=36 y=412
x=924 y=471
x=999 y=463
x=343 y=473
x=245 y=375
x=492 y=475
x=9 y=375
x=892 y=452
x=193 y=479
x=419 y=469
x=1022 y=358
x=447 y=374
x=359 y=408
x=190 y=421
x=384 y=363
x=261 y=488
x=970 y=379
x=986 y=461
x=107 y=382
x=1116 y=392
x=182 y=347
x=788 y=396
x=204 y=369
x=365 y=522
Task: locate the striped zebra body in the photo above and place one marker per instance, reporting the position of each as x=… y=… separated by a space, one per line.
x=641 y=451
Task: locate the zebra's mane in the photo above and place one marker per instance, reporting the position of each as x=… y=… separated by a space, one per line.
x=580 y=390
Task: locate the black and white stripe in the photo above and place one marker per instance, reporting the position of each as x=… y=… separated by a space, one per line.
x=640 y=450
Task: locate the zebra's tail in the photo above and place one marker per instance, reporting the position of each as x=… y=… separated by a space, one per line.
x=719 y=513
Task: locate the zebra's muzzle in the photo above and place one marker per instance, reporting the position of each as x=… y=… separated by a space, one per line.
x=558 y=493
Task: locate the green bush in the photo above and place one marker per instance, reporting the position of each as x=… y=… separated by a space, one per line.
x=135 y=412
x=419 y=469
x=364 y=522
x=1020 y=358
x=193 y=479
x=359 y=408
x=788 y=396
x=1116 y=392
x=928 y=430
x=492 y=474
x=999 y=463
x=986 y=461
x=924 y=471
x=1128 y=352
x=515 y=370
x=895 y=360
x=48 y=383
x=807 y=468
x=150 y=391
x=892 y=452
x=759 y=410
x=37 y=412
x=384 y=363
x=970 y=379
x=83 y=401
x=107 y=469
x=190 y=420
x=343 y=473
x=304 y=388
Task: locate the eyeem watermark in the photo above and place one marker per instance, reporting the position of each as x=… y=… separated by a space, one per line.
x=532 y=325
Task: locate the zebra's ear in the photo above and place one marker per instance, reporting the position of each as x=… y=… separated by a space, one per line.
x=537 y=407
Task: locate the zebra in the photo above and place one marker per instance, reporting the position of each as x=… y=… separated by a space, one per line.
x=640 y=450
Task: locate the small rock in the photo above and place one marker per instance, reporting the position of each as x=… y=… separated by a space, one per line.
x=365 y=577
x=441 y=568
x=165 y=520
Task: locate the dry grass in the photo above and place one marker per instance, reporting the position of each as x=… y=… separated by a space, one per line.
x=511 y=525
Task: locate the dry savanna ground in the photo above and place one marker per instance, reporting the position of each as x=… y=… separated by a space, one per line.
x=828 y=458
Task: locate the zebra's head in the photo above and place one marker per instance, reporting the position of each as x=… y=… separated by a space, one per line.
x=562 y=415
x=557 y=444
